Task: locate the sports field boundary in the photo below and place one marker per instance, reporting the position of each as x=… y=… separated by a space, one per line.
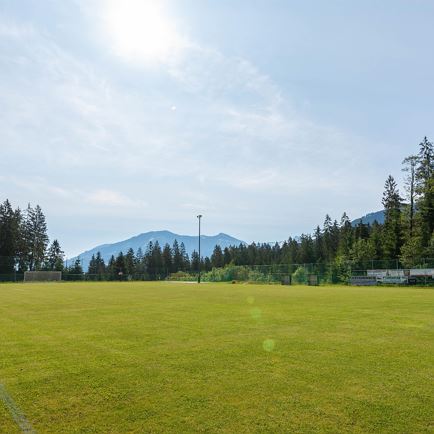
x=16 y=413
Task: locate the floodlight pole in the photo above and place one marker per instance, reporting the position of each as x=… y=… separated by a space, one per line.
x=198 y=276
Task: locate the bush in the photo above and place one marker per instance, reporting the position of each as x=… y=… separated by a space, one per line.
x=299 y=275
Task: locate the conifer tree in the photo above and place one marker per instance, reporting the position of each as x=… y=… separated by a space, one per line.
x=157 y=258
x=425 y=191
x=139 y=261
x=55 y=256
x=409 y=168
x=36 y=238
x=120 y=269
x=177 y=257
x=9 y=236
x=185 y=258
x=111 y=267
x=392 y=234
x=195 y=262
x=167 y=260
x=227 y=257
x=99 y=264
x=76 y=270
x=92 y=265
x=130 y=262
x=217 y=260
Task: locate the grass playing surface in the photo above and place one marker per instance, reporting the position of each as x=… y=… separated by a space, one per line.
x=161 y=357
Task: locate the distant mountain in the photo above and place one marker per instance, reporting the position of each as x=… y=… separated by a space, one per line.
x=370 y=218
x=207 y=244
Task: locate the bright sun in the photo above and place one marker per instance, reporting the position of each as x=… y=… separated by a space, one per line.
x=142 y=31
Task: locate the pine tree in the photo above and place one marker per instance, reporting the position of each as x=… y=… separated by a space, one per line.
x=9 y=236
x=306 y=250
x=227 y=257
x=76 y=270
x=177 y=257
x=425 y=190
x=55 y=256
x=149 y=261
x=120 y=268
x=130 y=262
x=92 y=269
x=345 y=236
x=195 y=262
x=318 y=245
x=111 y=267
x=207 y=264
x=392 y=224
x=167 y=260
x=35 y=234
x=185 y=258
x=217 y=260
x=139 y=261
x=157 y=258
x=22 y=247
x=409 y=167
x=327 y=239
x=99 y=264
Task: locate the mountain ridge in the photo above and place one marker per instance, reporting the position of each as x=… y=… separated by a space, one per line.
x=370 y=218
x=208 y=242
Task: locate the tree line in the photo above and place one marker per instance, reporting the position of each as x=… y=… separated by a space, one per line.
x=24 y=243
x=407 y=236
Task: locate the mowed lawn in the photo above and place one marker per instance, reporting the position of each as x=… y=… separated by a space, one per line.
x=178 y=357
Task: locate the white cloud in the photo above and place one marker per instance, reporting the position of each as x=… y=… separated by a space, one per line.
x=112 y=198
x=233 y=140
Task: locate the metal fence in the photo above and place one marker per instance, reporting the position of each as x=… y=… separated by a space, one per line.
x=335 y=272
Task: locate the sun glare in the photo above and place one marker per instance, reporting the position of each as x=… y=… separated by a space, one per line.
x=142 y=31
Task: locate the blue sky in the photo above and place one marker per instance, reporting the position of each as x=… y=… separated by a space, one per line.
x=120 y=117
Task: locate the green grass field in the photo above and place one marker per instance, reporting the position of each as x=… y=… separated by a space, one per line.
x=176 y=357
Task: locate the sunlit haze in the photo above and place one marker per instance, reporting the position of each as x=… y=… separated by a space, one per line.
x=122 y=117
x=141 y=30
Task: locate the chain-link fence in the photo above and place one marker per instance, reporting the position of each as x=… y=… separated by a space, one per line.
x=302 y=273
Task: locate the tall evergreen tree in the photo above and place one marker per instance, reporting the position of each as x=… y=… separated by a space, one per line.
x=227 y=257
x=100 y=265
x=36 y=238
x=195 y=262
x=157 y=256
x=92 y=269
x=111 y=267
x=130 y=262
x=167 y=260
x=9 y=237
x=76 y=270
x=345 y=236
x=185 y=258
x=55 y=256
x=178 y=262
x=392 y=225
x=217 y=259
x=120 y=268
x=425 y=190
x=409 y=168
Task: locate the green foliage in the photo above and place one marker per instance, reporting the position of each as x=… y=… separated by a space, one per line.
x=392 y=234
x=362 y=252
x=406 y=236
x=24 y=241
x=411 y=252
x=300 y=275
